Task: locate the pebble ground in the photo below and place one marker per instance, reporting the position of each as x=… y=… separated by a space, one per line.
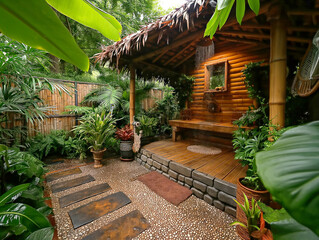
x=192 y=219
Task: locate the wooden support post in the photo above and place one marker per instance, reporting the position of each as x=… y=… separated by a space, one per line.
x=132 y=95
x=278 y=67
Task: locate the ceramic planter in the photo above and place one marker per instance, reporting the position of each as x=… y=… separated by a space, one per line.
x=263 y=196
x=98 y=156
x=126 y=150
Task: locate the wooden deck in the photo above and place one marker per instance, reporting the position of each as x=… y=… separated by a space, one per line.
x=222 y=166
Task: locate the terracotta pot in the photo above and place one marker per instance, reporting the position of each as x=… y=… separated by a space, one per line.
x=98 y=156
x=127 y=153
x=263 y=196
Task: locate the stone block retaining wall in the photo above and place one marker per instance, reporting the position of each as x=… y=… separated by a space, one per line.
x=212 y=190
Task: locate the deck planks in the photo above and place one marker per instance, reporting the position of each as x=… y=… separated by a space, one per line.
x=222 y=166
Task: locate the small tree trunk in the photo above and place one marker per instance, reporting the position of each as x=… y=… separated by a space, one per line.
x=55 y=61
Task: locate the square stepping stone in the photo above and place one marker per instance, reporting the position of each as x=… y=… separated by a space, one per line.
x=62 y=174
x=83 y=194
x=58 y=187
x=92 y=211
x=126 y=227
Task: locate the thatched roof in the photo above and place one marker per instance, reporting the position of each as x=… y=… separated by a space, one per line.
x=168 y=45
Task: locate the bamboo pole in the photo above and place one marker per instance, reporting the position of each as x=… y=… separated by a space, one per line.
x=278 y=64
x=132 y=95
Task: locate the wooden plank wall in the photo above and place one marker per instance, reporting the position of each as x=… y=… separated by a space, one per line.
x=235 y=101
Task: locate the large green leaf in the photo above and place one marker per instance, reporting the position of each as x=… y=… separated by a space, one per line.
x=283 y=226
x=290 y=171
x=290 y=229
x=240 y=10
x=84 y=12
x=42 y=234
x=34 y=23
x=225 y=14
x=254 y=5
x=23 y=217
x=7 y=196
x=221 y=4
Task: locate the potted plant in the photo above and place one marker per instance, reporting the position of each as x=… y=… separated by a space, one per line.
x=148 y=125
x=253 y=225
x=126 y=135
x=97 y=129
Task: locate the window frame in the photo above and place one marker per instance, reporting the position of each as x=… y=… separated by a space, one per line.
x=207 y=76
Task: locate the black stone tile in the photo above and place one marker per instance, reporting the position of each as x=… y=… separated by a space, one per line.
x=58 y=187
x=92 y=211
x=127 y=227
x=62 y=174
x=83 y=194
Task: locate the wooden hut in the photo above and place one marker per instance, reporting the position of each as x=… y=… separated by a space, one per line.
x=168 y=46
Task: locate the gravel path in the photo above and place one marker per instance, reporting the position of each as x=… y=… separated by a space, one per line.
x=192 y=219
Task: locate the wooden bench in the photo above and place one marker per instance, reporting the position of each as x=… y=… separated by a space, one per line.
x=178 y=125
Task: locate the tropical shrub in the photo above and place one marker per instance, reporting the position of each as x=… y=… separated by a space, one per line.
x=125 y=133
x=148 y=125
x=97 y=129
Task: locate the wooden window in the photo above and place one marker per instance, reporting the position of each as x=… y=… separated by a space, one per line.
x=216 y=75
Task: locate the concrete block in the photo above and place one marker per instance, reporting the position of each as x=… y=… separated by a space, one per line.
x=180 y=183
x=153 y=168
x=230 y=211
x=164 y=168
x=224 y=197
x=200 y=186
x=181 y=178
x=159 y=171
x=139 y=160
x=213 y=192
x=189 y=181
x=147 y=153
x=219 y=205
x=186 y=185
x=225 y=187
x=150 y=161
x=157 y=165
x=204 y=178
x=174 y=180
x=166 y=175
x=147 y=166
x=161 y=160
x=208 y=199
x=186 y=171
x=197 y=193
x=144 y=158
x=172 y=174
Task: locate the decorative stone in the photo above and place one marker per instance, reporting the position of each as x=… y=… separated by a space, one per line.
x=213 y=192
x=153 y=168
x=172 y=174
x=208 y=199
x=164 y=168
x=219 y=205
x=181 y=178
x=150 y=161
x=138 y=155
x=139 y=160
x=144 y=158
x=200 y=186
x=230 y=211
x=197 y=193
x=143 y=163
x=147 y=153
x=174 y=180
x=225 y=186
x=147 y=166
x=161 y=159
x=204 y=178
x=157 y=165
x=186 y=171
x=166 y=175
x=159 y=171
x=226 y=199
x=180 y=183
x=189 y=181
x=186 y=185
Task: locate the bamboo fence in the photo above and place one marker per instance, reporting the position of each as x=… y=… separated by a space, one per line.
x=57 y=117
